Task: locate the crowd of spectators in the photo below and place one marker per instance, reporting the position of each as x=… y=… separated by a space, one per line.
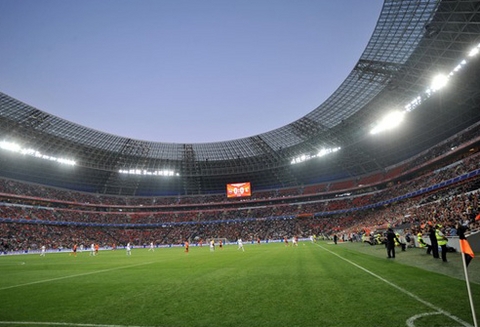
x=28 y=224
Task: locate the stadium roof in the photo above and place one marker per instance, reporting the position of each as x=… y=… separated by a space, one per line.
x=412 y=41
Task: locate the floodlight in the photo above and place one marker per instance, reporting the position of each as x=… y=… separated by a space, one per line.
x=439 y=82
x=145 y=172
x=473 y=52
x=10 y=146
x=390 y=121
x=322 y=152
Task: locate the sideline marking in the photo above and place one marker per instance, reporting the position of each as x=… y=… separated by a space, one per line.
x=72 y=276
x=428 y=304
x=61 y=324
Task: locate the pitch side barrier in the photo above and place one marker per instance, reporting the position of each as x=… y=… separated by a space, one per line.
x=453 y=241
x=121 y=248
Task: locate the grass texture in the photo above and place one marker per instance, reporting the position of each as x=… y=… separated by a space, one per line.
x=268 y=285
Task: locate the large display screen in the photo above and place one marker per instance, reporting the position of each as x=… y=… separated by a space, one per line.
x=236 y=190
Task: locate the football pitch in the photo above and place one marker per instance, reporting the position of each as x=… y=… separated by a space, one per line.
x=271 y=285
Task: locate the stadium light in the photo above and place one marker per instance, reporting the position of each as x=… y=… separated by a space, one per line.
x=390 y=121
x=474 y=51
x=322 y=152
x=457 y=68
x=14 y=147
x=10 y=146
x=413 y=104
x=145 y=172
x=439 y=82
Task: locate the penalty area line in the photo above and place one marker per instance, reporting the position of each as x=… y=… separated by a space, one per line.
x=73 y=276
x=428 y=304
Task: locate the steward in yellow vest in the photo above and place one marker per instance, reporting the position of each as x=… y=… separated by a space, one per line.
x=442 y=242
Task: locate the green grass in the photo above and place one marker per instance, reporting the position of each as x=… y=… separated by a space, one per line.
x=267 y=285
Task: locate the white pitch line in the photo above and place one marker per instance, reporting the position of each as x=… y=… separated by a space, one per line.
x=428 y=304
x=10 y=323
x=72 y=276
x=411 y=320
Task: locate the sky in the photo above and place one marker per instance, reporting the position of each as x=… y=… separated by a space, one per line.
x=180 y=71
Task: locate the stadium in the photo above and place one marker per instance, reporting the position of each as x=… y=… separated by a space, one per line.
x=343 y=171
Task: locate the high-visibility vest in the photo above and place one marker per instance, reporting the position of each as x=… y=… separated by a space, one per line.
x=441 y=239
x=421 y=242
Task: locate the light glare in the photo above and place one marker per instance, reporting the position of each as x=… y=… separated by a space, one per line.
x=439 y=82
x=473 y=52
x=390 y=121
x=145 y=172
x=10 y=146
x=322 y=152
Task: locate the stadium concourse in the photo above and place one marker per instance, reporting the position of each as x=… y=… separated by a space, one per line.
x=334 y=171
